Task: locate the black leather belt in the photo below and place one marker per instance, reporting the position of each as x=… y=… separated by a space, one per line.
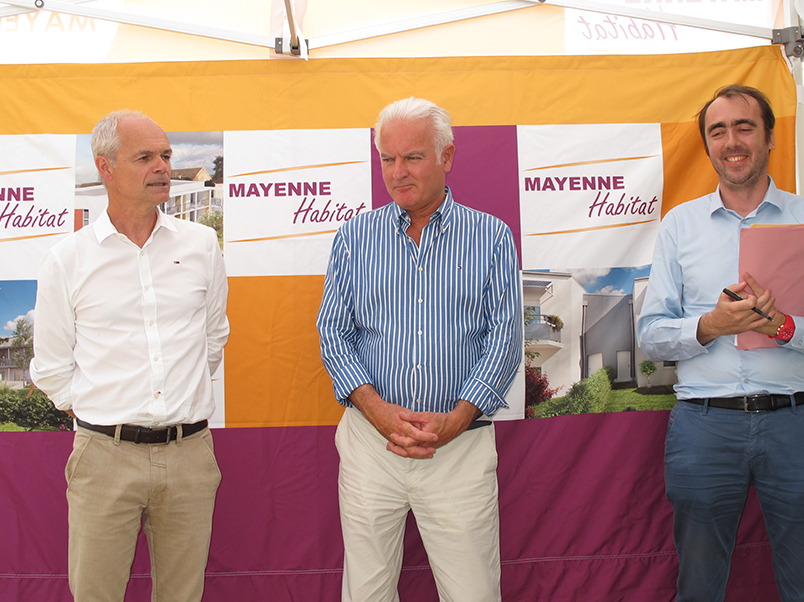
x=144 y=434
x=751 y=403
x=476 y=424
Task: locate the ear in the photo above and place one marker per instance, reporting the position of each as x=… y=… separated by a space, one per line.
x=447 y=155
x=772 y=141
x=104 y=166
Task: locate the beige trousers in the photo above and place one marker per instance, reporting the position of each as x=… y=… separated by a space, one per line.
x=453 y=497
x=115 y=488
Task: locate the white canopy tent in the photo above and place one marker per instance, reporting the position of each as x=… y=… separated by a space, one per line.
x=343 y=29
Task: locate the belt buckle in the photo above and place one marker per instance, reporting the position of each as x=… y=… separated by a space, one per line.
x=746 y=400
x=144 y=430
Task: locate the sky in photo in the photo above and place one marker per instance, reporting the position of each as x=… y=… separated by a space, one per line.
x=609 y=280
x=17 y=299
x=190 y=149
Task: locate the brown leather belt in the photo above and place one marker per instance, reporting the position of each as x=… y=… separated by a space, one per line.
x=144 y=434
x=751 y=403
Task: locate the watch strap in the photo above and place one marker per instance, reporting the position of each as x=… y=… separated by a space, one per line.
x=786 y=331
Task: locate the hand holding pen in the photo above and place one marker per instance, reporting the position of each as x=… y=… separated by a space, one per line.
x=737 y=297
x=727 y=318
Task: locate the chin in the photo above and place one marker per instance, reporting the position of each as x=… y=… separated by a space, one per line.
x=406 y=198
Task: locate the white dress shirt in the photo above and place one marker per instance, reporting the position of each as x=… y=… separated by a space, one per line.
x=124 y=335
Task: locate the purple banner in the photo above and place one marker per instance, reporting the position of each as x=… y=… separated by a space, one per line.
x=493 y=189
x=582 y=504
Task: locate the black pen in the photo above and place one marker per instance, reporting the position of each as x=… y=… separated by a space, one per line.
x=737 y=297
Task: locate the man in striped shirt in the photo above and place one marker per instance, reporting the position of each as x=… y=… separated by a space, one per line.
x=421 y=332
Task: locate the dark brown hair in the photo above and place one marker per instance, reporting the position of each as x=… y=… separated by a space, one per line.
x=734 y=91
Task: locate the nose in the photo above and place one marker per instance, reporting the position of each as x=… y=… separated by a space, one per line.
x=731 y=136
x=162 y=165
x=400 y=169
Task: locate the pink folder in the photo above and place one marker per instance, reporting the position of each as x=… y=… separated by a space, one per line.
x=774 y=256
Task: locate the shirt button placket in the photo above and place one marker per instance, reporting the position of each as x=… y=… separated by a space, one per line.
x=419 y=326
x=158 y=407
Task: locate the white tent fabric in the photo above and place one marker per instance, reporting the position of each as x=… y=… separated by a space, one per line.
x=148 y=30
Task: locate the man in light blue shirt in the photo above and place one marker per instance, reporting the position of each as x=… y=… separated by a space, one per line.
x=740 y=418
x=421 y=332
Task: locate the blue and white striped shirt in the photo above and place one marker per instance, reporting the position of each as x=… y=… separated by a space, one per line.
x=426 y=325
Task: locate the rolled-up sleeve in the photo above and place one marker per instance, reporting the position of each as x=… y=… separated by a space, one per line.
x=493 y=374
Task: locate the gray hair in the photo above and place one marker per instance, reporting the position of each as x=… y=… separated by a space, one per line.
x=105 y=141
x=411 y=109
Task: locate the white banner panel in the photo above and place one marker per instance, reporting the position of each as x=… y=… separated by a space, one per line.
x=594 y=204
x=597 y=32
x=46 y=37
x=287 y=192
x=37 y=185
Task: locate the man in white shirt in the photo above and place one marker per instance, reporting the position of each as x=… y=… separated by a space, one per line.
x=130 y=323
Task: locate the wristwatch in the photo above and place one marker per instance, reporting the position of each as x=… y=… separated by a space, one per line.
x=786 y=331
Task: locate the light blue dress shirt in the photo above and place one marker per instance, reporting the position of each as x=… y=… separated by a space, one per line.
x=426 y=325
x=696 y=256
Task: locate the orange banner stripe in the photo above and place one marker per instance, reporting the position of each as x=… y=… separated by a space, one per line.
x=597 y=162
x=256 y=173
x=591 y=229
x=8 y=173
x=32 y=236
x=283 y=236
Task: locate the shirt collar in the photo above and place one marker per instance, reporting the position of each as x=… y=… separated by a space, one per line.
x=442 y=215
x=772 y=197
x=104 y=228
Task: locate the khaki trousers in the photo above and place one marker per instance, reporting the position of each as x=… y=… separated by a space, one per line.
x=453 y=497
x=115 y=488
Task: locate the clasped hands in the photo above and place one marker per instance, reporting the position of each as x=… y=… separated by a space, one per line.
x=735 y=317
x=412 y=434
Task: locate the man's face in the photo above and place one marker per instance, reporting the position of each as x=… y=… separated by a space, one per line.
x=140 y=173
x=738 y=148
x=410 y=168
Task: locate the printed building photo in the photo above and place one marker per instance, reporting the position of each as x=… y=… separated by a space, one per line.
x=580 y=344
x=196 y=181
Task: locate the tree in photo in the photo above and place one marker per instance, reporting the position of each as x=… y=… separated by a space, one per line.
x=22 y=346
x=214 y=221
x=217 y=173
x=647 y=368
x=537 y=388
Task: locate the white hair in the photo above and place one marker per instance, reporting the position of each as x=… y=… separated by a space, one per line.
x=105 y=141
x=411 y=109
